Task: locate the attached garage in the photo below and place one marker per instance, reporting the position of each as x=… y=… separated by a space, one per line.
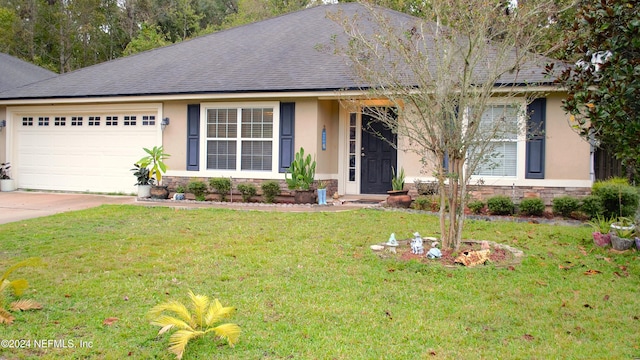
x=85 y=149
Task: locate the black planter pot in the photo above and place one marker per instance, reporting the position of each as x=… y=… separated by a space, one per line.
x=304 y=197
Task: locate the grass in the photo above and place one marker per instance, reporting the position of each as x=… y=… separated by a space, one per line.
x=307 y=286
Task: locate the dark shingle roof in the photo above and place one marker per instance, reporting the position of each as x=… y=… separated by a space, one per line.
x=15 y=73
x=279 y=54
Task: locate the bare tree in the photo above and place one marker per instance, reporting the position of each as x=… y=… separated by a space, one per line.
x=441 y=74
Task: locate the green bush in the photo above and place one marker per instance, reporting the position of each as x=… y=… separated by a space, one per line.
x=197 y=188
x=476 y=206
x=532 y=206
x=592 y=206
x=500 y=205
x=619 y=199
x=222 y=186
x=565 y=205
x=426 y=203
x=247 y=191
x=270 y=190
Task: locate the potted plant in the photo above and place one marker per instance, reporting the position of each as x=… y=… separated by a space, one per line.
x=143 y=180
x=322 y=193
x=155 y=158
x=601 y=228
x=622 y=233
x=299 y=177
x=398 y=196
x=6 y=182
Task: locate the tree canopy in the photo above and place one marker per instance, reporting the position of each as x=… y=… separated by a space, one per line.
x=604 y=85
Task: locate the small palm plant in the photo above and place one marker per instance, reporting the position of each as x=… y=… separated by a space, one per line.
x=206 y=314
x=18 y=286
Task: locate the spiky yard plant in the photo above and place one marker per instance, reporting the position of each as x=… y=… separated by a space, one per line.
x=206 y=314
x=18 y=286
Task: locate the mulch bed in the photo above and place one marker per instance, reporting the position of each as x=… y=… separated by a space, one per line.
x=498 y=256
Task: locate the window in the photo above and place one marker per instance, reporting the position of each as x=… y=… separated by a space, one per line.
x=76 y=121
x=501 y=159
x=94 y=121
x=60 y=121
x=245 y=131
x=148 y=120
x=43 y=121
x=111 y=121
x=129 y=120
x=27 y=121
x=352 y=146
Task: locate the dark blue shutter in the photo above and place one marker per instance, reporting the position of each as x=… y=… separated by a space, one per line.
x=193 y=137
x=287 y=134
x=534 y=164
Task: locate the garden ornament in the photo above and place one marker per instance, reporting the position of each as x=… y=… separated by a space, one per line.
x=392 y=240
x=416 y=244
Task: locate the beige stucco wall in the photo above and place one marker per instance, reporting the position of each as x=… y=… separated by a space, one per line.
x=567 y=156
x=174 y=137
x=3 y=135
x=328 y=118
x=311 y=116
x=566 y=153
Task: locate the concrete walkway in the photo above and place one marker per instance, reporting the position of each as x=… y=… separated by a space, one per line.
x=21 y=205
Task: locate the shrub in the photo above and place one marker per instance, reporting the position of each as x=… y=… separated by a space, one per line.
x=180 y=189
x=592 y=206
x=270 y=190
x=247 y=191
x=565 y=205
x=222 y=186
x=197 y=188
x=618 y=197
x=500 y=205
x=532 y=206
x=476 y=206
x=424 y=203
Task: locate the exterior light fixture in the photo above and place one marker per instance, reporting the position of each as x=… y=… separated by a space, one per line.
x=165 y=122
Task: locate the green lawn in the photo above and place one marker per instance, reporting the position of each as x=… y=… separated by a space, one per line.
x=307 y=286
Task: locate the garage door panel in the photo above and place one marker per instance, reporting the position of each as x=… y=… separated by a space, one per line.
x=67 y=158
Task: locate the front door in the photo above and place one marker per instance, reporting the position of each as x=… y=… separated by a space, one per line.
x=377 y=156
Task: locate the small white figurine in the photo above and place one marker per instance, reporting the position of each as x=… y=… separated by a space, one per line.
x=392 y=240
x=416 y=244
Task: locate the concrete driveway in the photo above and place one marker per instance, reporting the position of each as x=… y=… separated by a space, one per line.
x=21 y=205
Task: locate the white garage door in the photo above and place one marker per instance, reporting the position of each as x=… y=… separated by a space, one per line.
x=82 y=152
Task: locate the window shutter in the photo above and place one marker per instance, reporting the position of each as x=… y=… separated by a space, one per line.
x=287 y=134
x=193 y=137
x=536 y=113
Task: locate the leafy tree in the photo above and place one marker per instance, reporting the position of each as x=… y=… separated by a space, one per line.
x=604 y=85
x=427 y=71
x=150 y=37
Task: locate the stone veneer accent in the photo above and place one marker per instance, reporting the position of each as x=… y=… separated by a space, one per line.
x=173 y=181
x=517 y=193
x=479 y=192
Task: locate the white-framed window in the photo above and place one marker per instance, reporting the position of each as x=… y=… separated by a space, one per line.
x=130 y=120
x=60 y=121
x=111 y=121
x=27 y=121
x=502 y=158
x=43 y=121
x=241 y=137
x=76 y=121
x=148 y=120
x=94 y=121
